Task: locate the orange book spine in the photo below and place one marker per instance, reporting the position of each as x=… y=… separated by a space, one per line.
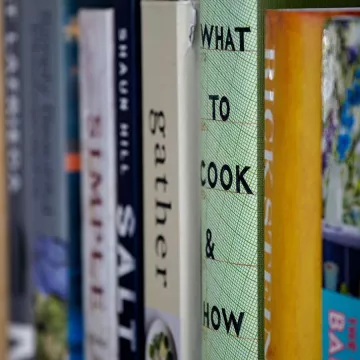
x=292 y=135
x=293 y=183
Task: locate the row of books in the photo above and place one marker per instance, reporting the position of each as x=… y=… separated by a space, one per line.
x=103 y=196
x=181 y=186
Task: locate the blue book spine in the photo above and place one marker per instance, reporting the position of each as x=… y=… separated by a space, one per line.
x=129 y=179
x=72 y=165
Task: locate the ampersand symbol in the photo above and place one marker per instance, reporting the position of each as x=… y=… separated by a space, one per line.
x=209 y=245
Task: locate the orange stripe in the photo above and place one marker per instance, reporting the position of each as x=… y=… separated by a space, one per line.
x=72 y=162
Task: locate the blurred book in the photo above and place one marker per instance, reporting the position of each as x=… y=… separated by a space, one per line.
x=49 y=34
x=5 y=164
x=99 y=240
x=21 y=320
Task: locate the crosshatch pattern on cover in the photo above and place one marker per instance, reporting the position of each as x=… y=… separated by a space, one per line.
x=229 y=215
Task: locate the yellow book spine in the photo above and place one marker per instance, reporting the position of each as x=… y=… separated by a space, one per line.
x=293 y=183
x=295 y=186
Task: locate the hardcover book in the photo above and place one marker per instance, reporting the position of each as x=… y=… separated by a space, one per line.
x=231 y=181
x=129 y=179
x=311 y=124
x=171 y=180
x=97 y=108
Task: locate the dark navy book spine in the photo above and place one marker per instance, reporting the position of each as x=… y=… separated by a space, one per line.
x=129 y=179
x=21 y=327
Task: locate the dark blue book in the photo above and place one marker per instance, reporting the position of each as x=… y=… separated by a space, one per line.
x=129 y=178
x=21 y=326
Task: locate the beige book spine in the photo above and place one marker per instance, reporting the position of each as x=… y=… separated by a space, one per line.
x=171 y=172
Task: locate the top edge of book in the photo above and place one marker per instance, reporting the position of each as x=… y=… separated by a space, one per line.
x=104 y=13
x=318 y=10
x=194 y=2
x=92 y=11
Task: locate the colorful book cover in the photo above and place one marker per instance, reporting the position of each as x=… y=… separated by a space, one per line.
x=341 y=188
x=310 y=166
x=129 y=179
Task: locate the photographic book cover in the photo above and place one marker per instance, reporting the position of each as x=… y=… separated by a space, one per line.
x=341 y=187
x=311 y=129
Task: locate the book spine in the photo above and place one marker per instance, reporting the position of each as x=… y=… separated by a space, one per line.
x=232 y=206
x=129 y=223
x=52 y=175
x=171 y=173
x=98 y=182
x=68 y=32
x=21 y=329
x=5 y=246
x=269 y=129
x=294 y=163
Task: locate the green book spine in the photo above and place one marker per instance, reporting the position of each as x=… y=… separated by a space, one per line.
x=231 y=180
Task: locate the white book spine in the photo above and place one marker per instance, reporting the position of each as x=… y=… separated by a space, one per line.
x=98 y=182
x=171 y=179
